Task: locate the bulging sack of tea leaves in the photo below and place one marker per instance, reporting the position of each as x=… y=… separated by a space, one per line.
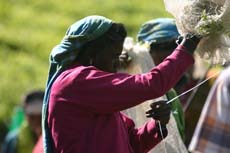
x=207 y=18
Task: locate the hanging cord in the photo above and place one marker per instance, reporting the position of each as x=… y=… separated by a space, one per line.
x=162 y=137
x=190 y=98
x=168 y=102
x=188 y=102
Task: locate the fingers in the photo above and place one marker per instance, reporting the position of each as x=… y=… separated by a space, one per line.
x=159 y=105
x=190 y=41
x=158 y=116
x=163 y=118
x=161 y=102
x=159 y=111
x=124 y=56
x=179 y=40
x=124 y=59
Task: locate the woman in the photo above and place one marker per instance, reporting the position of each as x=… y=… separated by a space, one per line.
x=84 y=94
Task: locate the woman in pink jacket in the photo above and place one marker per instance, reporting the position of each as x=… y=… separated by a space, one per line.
x=84 y=94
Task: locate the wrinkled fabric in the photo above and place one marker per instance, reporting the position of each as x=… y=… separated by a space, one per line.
x=212 y=134
x=81 y=32
x=158 y=31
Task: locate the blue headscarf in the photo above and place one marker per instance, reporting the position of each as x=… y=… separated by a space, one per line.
x=78 y=34
x=157 y=31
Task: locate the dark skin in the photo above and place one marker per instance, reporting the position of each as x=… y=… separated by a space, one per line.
x=108 y=58
x=105 y=59
x=160 y=51
x=159 y=56
x=159 y=111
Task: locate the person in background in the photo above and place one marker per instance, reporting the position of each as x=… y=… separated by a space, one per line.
x=160 y=36
x=85 y=94
x=212 y=133
x=24 y=138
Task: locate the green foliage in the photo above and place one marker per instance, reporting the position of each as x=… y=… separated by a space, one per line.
x=30 y=29
x=209 y=24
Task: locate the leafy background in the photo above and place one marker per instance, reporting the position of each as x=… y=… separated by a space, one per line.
x=29 y=29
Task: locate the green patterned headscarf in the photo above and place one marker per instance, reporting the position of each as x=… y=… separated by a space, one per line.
x=78 y=34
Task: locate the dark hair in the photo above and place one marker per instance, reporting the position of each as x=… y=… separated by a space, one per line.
x=115 y=34
x=32 y=96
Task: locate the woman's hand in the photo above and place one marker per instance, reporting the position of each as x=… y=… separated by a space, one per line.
x=189 y=41
x=160 y=111
x=124 y=59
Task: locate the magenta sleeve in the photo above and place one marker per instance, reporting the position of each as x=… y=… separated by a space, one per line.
x=142 y=139
x=104 y=92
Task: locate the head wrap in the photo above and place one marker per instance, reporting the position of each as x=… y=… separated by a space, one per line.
x=78 y=34
x=161 y=30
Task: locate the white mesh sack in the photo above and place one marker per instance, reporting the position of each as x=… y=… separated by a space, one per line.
x=142 y=62
x=208 y=18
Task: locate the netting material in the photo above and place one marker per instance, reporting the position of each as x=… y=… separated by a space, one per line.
x=141 y=63
x=208 y=18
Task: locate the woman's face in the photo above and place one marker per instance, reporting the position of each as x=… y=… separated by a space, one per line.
x=107 y=58
x=159 y=54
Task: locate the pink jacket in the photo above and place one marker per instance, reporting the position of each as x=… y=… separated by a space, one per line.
x=85 y=102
